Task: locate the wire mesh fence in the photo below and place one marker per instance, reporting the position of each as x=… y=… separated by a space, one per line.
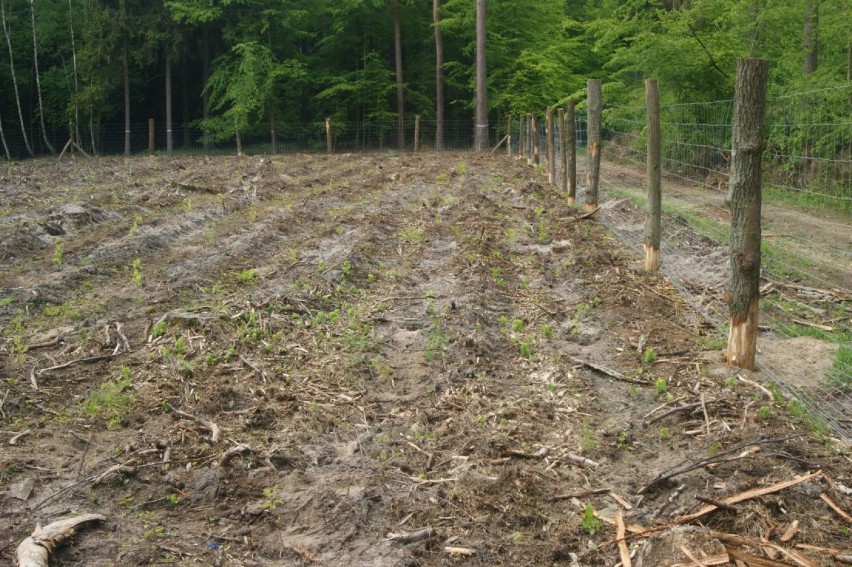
x=307 y=137
x=807 y=256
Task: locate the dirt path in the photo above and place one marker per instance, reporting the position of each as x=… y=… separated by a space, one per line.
x=816 y=249
x=304 y=360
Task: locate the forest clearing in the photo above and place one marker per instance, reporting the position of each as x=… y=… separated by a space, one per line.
x=421 y=359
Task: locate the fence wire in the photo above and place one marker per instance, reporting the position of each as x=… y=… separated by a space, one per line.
x=807 y=258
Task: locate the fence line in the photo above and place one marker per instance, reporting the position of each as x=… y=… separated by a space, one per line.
x=807 y=161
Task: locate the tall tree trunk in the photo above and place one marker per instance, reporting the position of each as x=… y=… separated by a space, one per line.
x=593 y=103
x=400 y=101
x=3 y=139
x=811 y=37
x=15 y=79
x=38 y=81
x=273 y=137
x=125 y=65
x=205 y=76
x=76 y=75
x=480 y=137
x=439 y=76
x=184 y=99
x=170 y=144
x=746 y=151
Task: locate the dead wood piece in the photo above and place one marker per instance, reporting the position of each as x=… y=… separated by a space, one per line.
x=580 y=460
x=837 y=509
x=718 y=504
x=233 y=452
x=753 y=560
x=14 y=440
x=620 y=531
x=679 y=408
x=500 y=143
x=695 y=561
x=621 y=501
x=719 y=458
x=589 y=214
x=754 y=384
x=46 y=344
x=748 y=495
x=540 y=454
x=608 y=371
x=580 y=494
x=215 y=432
x=170 y=316
x=195 y=188
x=2 y=402
x=89 y=360
x=452 y=550
x=721 y=559
x=790 y=532
x=35 y=550
x=124 y=468
x=254 y=367
x=412 y=537
x=797 y=558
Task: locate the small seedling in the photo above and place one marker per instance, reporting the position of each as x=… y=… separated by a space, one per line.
x=665 y=433
x=591 y=523
x=764 y=412
x=58 y=251
x=517 y=326
x=661 y=386
x=547 y=331
x=136 y=272
x=649 y=355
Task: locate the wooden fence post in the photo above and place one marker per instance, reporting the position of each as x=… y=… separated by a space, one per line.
x=522 y=140
x=529 y=139
x=416 y=133
x=747 y=144
x=536 y=141
x=509 y=137
x=329 y=143
x=571 y=142
x=151 y=137
x=593 y=174
x=551 y=147
x=563 y=150
x=653 y=210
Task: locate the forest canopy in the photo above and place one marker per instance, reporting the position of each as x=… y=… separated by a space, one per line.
x=247 y=64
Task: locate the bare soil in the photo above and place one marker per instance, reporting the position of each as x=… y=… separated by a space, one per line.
x=306 y=360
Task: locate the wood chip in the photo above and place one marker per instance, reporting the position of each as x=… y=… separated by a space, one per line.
x=790 y=532
x=467 y=551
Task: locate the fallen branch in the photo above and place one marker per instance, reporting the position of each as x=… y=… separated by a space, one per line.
x=715 y=460
x=831 y=504
x=89 y=360
x=52 y=342
x=580 y=460
x=745 y=380
x=540 y=454
x=748 y=495
x=580 y=494
x=741 y=540
x=679 y=408
x=14 y=440
x=753 y=560
x=212 y=427
x=721 y=559
x=124 y=468
x=254 y=367
x=231 y=453
x=500 y=143
x=609 y=372
x=35 y=550
x=412 y=537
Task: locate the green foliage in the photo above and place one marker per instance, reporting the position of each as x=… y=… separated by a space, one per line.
x=591 y=523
